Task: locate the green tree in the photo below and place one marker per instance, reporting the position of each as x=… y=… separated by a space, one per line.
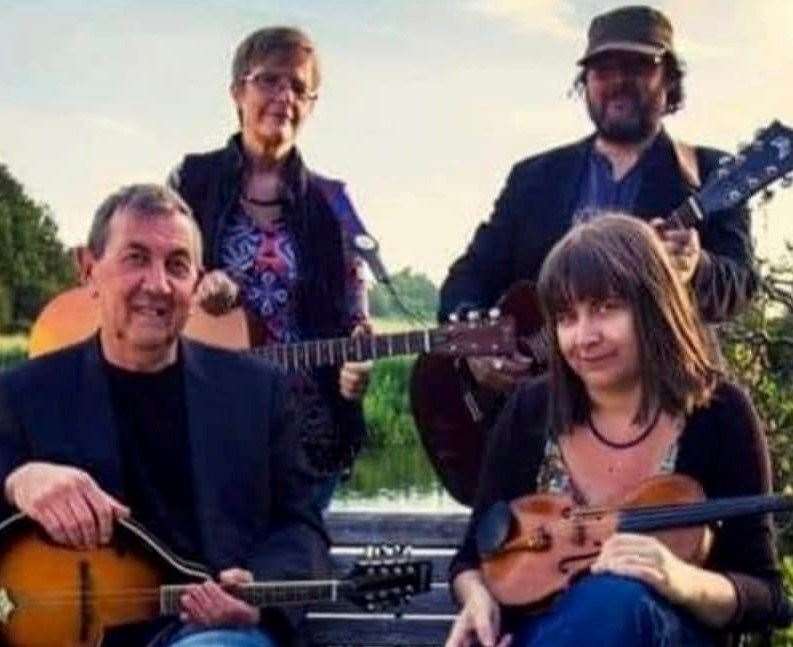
x=34 y=265
x=416 y=291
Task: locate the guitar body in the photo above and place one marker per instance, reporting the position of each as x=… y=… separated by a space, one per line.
x=73 y=316
x=52 y=596
x=453 y=412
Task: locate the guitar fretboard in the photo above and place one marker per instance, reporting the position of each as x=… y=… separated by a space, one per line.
x=331 y=352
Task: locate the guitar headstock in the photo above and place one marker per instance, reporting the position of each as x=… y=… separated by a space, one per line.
x=477 y=335
x=768 y=158
x=387 y=579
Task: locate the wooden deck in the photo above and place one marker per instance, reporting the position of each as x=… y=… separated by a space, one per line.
x=426 y=619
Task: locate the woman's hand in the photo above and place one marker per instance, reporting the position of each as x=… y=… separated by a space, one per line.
x=216 y=293
x=645 y=558
x=354 y=376
x=480 y=618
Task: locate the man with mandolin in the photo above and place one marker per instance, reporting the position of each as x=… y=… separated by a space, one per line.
x=589 y=525
x=197 y=444
x=630 y=77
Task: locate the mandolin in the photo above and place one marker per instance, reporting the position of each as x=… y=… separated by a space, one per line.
x=53 y=596
x=534 y=546
x=453 y=412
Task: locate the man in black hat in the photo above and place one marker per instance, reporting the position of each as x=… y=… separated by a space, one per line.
x=631 y=77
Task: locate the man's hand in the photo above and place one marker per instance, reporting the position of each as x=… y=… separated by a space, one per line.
x=354 y=376
x=683 y=247
x=209 y=604
x=500 y=373
x=216 y=293
x=66 y=502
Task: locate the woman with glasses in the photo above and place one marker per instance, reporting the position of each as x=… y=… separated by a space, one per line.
x=631 y=395
x=276 y=239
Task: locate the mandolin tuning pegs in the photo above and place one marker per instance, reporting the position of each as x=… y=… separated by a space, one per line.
x=454 y=317
x=473 y=315
x=494 y=313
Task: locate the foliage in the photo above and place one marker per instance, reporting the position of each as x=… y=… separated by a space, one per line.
x=387 y=405
x=34 y=265
x=416 y=291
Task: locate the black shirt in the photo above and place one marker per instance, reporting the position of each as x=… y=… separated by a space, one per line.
x=151 y=417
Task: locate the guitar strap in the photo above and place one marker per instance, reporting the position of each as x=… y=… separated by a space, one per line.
x=687 y=162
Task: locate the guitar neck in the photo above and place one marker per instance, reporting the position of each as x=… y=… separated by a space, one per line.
x=331 y=352
x=263 y=594
x=688 y=214
x=695 y=514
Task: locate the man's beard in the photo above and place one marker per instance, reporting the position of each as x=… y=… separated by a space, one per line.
x=632 y=126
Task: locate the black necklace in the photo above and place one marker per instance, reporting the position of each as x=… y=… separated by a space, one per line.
x=274 y=202
x=626 y=445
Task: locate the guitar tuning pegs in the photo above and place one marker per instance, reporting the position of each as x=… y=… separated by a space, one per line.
x=473 y=315
x=494 y=313
x=724 y=160
x=454 y=317
x=752 y=182
x=771 y=171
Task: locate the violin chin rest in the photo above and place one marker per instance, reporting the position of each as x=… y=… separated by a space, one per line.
x=493 y=528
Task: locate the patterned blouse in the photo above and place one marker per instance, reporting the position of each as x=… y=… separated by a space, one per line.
x=553 y=477
x=261 y=259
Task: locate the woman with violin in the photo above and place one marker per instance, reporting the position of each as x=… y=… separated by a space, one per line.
x=631 y=395
x=278 y=236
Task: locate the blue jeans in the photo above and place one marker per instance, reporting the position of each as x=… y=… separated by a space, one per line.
x=222 y=637
x=612 y=611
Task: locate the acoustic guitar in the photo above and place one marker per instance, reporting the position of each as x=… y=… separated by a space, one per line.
x=453 y=412
x=74 y=315
x=53 y=596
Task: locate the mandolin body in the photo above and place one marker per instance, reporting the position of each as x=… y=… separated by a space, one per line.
x=52 y=596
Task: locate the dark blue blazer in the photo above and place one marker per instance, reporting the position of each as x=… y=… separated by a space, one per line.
x=252 y=486
x=535 y=210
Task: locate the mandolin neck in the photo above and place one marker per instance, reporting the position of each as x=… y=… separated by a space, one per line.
x=263 y=594
x=659 y=517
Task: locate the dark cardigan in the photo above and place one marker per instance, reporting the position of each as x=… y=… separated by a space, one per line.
x=211 y=183
x=722 y=446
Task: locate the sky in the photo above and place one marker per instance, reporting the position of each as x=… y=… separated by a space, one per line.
x=425 y=104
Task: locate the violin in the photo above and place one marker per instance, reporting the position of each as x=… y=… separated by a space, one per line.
x=536 y=545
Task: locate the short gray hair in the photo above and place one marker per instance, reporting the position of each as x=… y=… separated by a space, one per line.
x=144 y=201
x=272 y=40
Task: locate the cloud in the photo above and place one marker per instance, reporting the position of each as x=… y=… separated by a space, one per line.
x=548 y=17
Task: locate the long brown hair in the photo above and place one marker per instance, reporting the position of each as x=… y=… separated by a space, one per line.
x=619 y=256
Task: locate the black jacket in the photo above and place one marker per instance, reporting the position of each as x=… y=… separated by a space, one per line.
x=535 y=210
x=253 y=489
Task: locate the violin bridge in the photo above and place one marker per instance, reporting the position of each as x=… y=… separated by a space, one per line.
x=7 y=607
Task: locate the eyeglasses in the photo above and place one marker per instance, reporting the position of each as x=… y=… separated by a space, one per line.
x=272 y=82
x=608 y=67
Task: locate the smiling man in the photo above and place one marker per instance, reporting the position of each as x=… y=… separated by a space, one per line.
x=630 y=77
x=195 y=443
